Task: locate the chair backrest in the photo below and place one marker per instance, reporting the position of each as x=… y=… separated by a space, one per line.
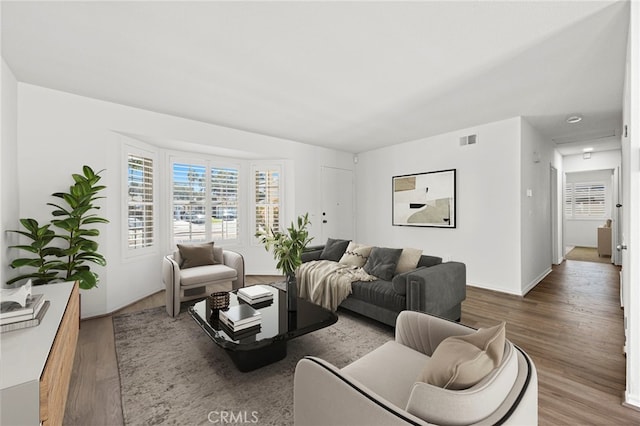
x=443 y=406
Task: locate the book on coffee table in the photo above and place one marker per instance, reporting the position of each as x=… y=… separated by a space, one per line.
x=242 y=334
x=255 y=294
x=243 y=326
x=238 y=315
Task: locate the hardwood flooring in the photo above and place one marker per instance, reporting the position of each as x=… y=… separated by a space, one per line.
x=570 y=324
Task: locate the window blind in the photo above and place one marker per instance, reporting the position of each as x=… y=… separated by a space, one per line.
x=140 y=201
x=224 y=203
x=189 y=206
x=267 y=198
x=585 y=200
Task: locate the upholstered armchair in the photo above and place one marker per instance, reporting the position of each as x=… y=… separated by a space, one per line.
x=383 y=387
x=183 y=282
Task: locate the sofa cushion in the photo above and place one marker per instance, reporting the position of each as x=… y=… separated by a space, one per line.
x=408 y=260
x=193 y=255
x=379 y=293
x=389 y=371
x=207 y=274
x=426 y=260
x=460 y=362
x=334 y=249
x=382 y=262
x=356 y=255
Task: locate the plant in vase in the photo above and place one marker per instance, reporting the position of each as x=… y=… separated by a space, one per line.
x=287 y=248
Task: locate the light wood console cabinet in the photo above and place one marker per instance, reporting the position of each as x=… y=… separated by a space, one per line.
x=36 y=363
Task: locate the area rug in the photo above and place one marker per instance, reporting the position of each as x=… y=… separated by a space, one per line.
x=587 y=254
x=172 y=373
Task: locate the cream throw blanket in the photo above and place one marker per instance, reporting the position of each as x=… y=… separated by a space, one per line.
x=327 y=283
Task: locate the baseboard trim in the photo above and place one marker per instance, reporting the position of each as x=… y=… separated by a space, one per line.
x=107 y=314
x=631 y=402
x=536 y=281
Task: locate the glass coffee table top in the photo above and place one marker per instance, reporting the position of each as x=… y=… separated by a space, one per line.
x=278 y=324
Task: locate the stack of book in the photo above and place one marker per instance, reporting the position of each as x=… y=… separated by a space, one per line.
x=15 y=317
x=255 y=295
x=240 y=321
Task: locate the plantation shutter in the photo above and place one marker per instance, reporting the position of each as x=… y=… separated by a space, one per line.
x=588 y=200
x=568 y=200
x=267 y=198
x=224 y=203
x=140 y=201
x=585 y=200
x=189 y=206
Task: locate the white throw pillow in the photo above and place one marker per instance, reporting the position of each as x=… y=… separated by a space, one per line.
x=356 y=255
x=408 y=260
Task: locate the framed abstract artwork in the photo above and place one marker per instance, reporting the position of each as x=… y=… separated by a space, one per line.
x=425 y=199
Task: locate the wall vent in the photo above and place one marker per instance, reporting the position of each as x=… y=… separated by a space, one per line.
x=469 y=140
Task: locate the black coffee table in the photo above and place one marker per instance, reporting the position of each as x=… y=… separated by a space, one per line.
x=277 y=326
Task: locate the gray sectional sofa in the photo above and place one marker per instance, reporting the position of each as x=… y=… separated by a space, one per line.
x=433 y=287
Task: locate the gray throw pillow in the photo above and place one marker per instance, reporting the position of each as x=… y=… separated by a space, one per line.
x=334 y=249
x=193 y=255
x=382 y=262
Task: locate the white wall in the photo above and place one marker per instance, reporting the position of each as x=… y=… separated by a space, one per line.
x=9 y=171
x=487 y=238
x=598 y=161
x=535 y=196
x=584 y=232
x=59 y=132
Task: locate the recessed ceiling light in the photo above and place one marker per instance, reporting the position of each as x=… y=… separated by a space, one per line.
x=573 y=119
x=587 y=149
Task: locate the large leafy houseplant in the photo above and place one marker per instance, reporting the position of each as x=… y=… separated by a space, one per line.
x=40 y=237
x=287 y=247
x=75 y=217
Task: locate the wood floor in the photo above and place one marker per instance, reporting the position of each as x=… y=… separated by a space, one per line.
x=570 y=324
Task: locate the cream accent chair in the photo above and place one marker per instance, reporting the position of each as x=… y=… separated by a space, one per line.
x=381 y=389
x=192 y=283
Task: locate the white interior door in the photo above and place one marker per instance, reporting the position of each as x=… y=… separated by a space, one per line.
x=337 y=214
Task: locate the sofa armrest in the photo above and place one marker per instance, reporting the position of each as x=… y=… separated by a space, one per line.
x=236 y=261
x=399 y=281
x=171 y=279
x=323 y=395
x=437 y=289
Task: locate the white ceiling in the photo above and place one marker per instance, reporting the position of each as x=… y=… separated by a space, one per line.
x=347 y=75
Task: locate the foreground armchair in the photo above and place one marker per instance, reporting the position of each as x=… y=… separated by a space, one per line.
x=382 y=388
x=223 y=272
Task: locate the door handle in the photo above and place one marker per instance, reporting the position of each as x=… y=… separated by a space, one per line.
x=620 y=247
x=324 y=221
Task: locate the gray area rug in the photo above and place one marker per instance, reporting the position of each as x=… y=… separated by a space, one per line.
x=172 y=373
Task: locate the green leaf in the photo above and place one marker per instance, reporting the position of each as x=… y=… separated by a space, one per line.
x=19 y=263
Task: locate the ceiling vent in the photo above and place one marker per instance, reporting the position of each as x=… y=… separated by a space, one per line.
x=469 y=140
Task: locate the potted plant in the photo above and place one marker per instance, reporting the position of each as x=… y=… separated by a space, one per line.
x=287 y=248
x=70 y=259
